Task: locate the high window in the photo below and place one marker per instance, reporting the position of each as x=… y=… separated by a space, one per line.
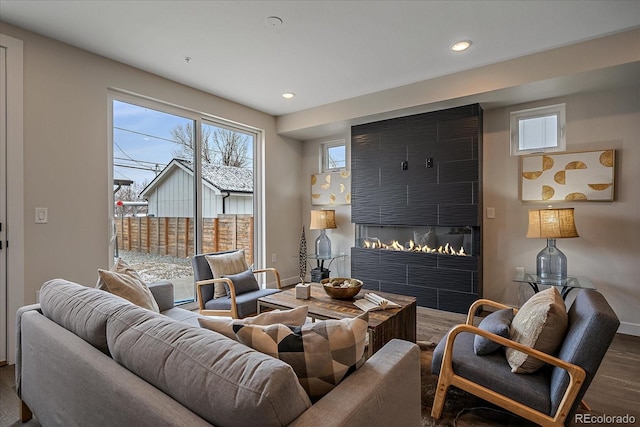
x=183 y=184
x=334 y=156
x=538 y=130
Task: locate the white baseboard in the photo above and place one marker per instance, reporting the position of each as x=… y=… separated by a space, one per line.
x=629 y=329
x=289 y=281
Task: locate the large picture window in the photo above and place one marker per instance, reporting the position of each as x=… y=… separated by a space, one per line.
x=183 y=184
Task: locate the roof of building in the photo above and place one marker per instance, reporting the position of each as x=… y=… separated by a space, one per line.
x=223 y=178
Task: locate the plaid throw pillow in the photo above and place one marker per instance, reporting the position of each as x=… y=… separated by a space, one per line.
x=294 y=317
x=321 y=354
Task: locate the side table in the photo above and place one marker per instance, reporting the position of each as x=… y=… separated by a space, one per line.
x=566 y=285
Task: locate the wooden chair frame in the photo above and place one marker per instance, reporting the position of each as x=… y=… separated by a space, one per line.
x=448 y=378
x=233 y=312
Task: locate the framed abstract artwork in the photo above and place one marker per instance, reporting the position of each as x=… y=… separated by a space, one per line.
x=333 y=188
x=570 y=177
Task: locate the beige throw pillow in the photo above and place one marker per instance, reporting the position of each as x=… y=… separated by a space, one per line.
x=541 y=323
x=129 y=286
x=225 y=265
x=293 y=317
x=120 y=266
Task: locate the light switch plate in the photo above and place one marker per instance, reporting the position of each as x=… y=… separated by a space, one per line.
x=42 y=215
x=491 y=213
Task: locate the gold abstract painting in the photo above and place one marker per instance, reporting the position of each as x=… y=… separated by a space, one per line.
x=586 y=175
x=332 y=188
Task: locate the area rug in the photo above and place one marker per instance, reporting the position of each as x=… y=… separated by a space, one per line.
x=461 y=409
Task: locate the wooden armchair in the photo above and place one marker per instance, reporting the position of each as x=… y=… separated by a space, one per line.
x=548 y=396
x=241 y=300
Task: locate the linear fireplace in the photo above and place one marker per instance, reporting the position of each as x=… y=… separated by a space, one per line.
x=457 y=241
x=416 y=203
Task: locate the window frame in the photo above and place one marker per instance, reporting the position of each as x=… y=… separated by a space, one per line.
x=258 y=136
x=515 y=117
x=325 y=147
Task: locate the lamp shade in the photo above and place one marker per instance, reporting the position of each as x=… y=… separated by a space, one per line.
x=322 y=220
x=551 y=224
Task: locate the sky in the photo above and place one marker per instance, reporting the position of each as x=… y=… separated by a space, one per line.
x=142 y=140
x=141 y=135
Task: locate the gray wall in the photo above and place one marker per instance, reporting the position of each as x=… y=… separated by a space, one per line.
x=66 y=160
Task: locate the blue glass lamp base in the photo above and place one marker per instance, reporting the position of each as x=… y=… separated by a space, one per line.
x=551 y=263
x=323 y=245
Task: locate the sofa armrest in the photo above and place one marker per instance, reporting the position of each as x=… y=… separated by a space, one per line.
x=18 y=371
x=389 y=379
x=163 y=293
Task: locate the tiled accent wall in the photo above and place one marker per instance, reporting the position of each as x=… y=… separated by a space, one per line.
x=395 y=183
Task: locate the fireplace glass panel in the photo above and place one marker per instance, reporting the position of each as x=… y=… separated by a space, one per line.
x=427 y=239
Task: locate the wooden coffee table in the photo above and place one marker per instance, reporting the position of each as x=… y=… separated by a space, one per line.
x=384 y=325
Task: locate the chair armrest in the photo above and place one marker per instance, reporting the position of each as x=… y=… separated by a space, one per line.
x=576 y=375
x=274 y=272
x=163 y=293
x=482 y=302
x=232 y=289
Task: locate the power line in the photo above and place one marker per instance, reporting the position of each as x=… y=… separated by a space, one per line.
x=158 y=164
x=146 y=168
x=145 y=134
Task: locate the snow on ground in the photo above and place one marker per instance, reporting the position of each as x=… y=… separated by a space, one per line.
x=152 y=268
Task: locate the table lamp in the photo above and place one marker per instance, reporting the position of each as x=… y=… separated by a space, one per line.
x=323 y=220
x=551 y=224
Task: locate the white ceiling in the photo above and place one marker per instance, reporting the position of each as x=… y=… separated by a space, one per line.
x=325 y=51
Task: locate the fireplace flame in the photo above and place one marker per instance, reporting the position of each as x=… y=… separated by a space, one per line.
x=412 y=247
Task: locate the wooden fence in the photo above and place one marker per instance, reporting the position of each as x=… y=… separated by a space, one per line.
x=174 y=235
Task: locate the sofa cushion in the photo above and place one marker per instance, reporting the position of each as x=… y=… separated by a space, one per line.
x=322 y=353
x=224 y=264
x=499 y=323
x=294 y=317
x=129 y=287
x=242 y=282
x=541 y=323
x=223 y=381
x=79 y=309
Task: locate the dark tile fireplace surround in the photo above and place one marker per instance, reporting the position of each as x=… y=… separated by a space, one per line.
x=416 y=202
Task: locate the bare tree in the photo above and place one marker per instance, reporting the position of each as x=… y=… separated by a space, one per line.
x=219 y=146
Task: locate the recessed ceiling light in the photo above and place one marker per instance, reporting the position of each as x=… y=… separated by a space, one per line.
x=288 y=95
x=460 y=46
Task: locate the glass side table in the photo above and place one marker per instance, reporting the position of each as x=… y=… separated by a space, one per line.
x=571 y=282
x=320 y=272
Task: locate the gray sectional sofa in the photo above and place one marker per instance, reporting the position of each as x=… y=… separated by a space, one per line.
x=87 y=357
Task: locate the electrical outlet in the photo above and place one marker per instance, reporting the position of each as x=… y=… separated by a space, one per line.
x=274 y=258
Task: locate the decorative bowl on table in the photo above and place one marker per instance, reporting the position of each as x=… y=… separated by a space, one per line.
x=341 y=287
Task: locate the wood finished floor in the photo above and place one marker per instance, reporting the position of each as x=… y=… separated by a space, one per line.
x=614 y=391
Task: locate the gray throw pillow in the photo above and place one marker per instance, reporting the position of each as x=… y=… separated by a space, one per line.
x=243 y=282
x=499 y=323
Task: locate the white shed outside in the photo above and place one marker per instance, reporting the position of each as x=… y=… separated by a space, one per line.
x=226 y=189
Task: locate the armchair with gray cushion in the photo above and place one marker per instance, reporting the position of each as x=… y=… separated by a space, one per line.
x=240 y=298
x=548 y=396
